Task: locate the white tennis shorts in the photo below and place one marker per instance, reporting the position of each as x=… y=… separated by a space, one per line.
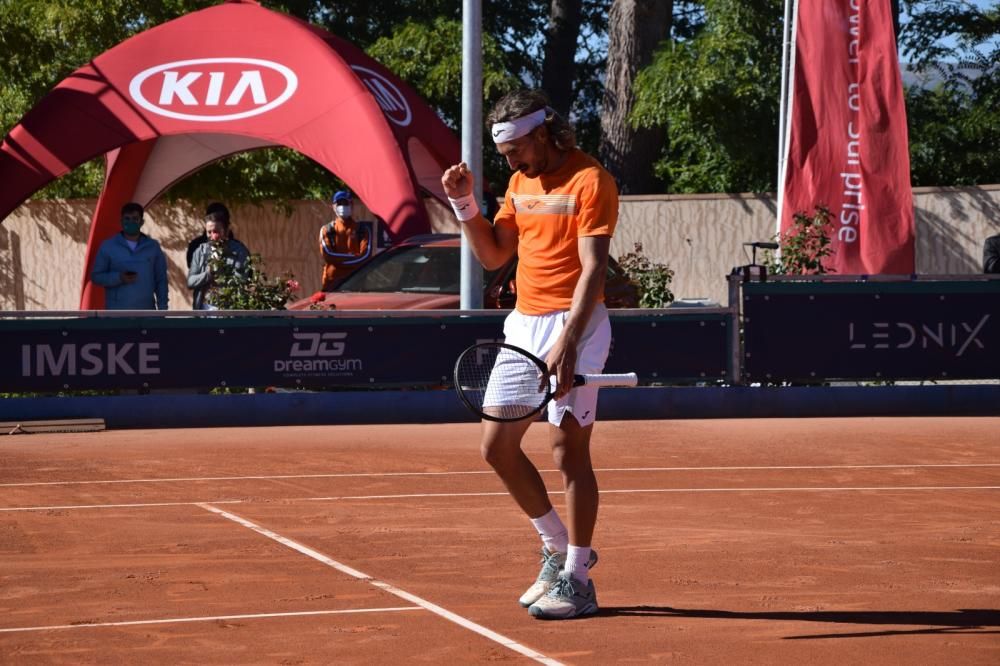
x=538 y=333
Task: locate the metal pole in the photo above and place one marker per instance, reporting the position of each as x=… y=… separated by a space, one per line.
x=782 y=107
x=472 y=138
x=785 y=110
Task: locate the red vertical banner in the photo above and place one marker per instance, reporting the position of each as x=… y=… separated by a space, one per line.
x=847 y=146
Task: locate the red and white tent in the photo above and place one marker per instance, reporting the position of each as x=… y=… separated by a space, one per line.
x=224 y=80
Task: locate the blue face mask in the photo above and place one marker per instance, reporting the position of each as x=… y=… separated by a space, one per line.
x=131 y=228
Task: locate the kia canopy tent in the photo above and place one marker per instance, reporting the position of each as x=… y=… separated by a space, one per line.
x=224 y=80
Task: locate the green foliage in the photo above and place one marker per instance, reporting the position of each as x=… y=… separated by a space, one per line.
x=428 y=56
x=248 y=288
x=713 y=85
x=717 y=96
x=805 y=246
x=652 y=278
x=43 y=41
x=954 y=114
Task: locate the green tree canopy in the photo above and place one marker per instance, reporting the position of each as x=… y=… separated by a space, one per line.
x=43 y=41
x=953 y=110
x=717 y=95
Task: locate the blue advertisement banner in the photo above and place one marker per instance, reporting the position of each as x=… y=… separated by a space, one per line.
x=871 y=331
x=164 y=353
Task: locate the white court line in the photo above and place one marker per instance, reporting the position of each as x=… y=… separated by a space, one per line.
x=349 y=475
x=653 y=490
x=412 y=598
x=174 y=620
x=501 y=494
x=138 y=505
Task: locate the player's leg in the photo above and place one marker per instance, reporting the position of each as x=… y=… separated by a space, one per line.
x=573 y=593
x=501 y=449
x=571 y=452
x=571 y=422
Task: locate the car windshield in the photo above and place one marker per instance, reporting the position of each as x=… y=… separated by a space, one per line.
x=412 y=268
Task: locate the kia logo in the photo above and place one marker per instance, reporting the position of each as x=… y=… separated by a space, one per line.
x=213 y=89
x=388 y=96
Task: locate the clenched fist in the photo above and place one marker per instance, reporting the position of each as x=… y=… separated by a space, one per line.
x=457 y=181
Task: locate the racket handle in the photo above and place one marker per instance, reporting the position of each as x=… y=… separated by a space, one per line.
x=623 y=379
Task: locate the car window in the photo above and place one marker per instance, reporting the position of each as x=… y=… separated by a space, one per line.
x=412 y=268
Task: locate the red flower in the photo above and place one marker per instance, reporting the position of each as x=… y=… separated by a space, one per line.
x=318 y=297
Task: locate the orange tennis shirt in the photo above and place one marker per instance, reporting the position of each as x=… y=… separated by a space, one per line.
x=550 y=213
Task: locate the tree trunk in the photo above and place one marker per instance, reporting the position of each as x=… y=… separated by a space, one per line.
x=559 y=68
x=635 y=28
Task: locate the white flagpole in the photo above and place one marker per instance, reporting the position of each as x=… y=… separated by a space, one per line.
x=785 y=106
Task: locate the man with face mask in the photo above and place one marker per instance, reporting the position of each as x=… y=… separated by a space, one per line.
x=131 y=267
x=344 y=244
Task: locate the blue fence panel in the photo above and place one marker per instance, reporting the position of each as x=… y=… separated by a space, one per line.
x=46 y=355
x=808 y=331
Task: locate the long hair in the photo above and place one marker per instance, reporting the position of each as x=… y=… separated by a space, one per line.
x=521 y=103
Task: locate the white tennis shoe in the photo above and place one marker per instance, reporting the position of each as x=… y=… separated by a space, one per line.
x=552 y=565
x=567 y=598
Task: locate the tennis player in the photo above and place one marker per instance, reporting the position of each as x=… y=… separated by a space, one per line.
x=558 y=216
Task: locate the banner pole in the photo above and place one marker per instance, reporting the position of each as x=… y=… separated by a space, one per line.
x=785 y=108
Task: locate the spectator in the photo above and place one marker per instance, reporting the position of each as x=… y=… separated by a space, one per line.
x=131 y=266
x=991 y=254
x=220 y=243
x=201 y=238
x=343 y=243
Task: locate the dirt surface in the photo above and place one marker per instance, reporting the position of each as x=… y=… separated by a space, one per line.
x=821 y=541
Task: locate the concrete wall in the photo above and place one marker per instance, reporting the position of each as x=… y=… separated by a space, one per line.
x=42 y=244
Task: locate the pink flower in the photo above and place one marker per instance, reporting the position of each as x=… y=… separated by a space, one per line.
x=293 y=285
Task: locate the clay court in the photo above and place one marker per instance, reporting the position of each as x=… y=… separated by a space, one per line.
x=827 y=541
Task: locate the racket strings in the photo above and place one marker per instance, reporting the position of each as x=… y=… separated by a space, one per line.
x=501 y=382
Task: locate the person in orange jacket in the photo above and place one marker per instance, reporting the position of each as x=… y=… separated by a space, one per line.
x=344 y=244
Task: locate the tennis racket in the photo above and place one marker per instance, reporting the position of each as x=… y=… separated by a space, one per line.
x=501 y=382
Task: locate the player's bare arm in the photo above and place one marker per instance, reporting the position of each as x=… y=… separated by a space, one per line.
x=493 y=246
x=594 y=251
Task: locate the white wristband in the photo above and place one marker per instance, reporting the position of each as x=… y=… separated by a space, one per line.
x=465 y=207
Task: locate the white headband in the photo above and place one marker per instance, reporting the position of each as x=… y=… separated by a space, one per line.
x=518 y=127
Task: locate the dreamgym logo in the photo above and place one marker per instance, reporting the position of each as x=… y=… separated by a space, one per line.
x=213 y=89
x=318 y=354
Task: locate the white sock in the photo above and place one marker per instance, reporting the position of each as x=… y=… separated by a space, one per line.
x=576 y=562
x=553 y=532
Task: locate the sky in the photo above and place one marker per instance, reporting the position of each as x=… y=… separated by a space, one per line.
x=991 y=45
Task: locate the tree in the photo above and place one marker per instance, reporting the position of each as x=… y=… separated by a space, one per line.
x=953 y=109
x=716 y=94
x=43 y=41
x=636 y=28
x=559 y=66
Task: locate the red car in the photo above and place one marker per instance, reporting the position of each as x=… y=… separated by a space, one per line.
x=424 y=273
